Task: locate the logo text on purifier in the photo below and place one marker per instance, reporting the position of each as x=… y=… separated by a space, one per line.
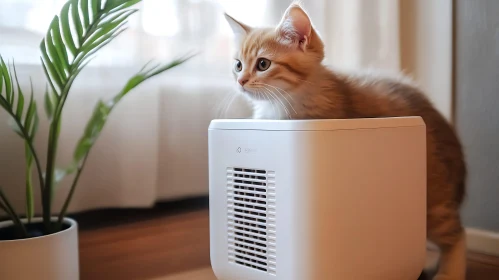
x=246 y=150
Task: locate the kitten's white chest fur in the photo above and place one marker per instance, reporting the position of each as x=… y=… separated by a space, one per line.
x=268 y=110
x=281 y=104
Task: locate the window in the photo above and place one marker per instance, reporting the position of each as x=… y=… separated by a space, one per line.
x=161 y=30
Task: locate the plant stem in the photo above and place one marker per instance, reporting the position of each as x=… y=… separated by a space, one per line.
x=4 y=208
x=13 y=215
x=71 y=192
x=54 y=131
x=51 y=154
x=37 y=163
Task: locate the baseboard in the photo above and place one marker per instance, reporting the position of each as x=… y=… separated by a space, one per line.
x=482 y=241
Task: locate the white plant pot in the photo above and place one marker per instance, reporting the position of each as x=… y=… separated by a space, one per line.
x=49 y=257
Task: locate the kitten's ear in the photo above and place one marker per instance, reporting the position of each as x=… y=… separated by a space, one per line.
x=295 y=26
x=240 y=29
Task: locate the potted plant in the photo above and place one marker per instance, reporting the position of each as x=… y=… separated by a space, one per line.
x=46 y=247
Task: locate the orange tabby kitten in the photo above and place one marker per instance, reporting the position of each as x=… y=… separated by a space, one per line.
x=280 y=70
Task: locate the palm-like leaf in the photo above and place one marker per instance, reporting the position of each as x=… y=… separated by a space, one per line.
x=81 y=29
x=24 y=122
x=98 y=120
x=66 y=50
x=102 y=110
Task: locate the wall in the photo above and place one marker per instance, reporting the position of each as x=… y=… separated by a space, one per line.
x=425 y=41
x=477 y=107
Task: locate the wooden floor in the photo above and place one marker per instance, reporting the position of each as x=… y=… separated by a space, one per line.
x=144 y=244
x=171 y=242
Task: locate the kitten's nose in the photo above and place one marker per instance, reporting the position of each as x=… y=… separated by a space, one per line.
x=242 y=81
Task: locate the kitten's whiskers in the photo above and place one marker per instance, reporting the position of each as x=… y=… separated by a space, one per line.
x=220 y=108
x=273 y=107
x=260 y=95
x=280 y=101
x=284 y=96
x=230 y=103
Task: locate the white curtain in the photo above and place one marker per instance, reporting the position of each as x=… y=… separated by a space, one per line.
x=154 y=146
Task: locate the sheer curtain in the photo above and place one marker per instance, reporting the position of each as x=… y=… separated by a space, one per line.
x=154 y=145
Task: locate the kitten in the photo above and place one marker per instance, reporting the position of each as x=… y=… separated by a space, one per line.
x=280 y=71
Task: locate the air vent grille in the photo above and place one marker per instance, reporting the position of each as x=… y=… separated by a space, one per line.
x=251 y=218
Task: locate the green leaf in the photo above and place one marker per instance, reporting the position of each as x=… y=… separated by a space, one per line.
x=102 y=110
x=109 y=28
x=110 y=34
x=20 y=98
x=93 y=28
x=76 y=21
x=58 y=43
x=6 y=77
x=58 y=64
x=25 y=128
x=36 y=122
x=49 y=104
x=20 y=105
x=92 y=130
x=97 y=46
x=47 y=75
x=30 y=114
x=96 y=6
x=66 y=30
x=114 y=5
x=96 y=124
x=84 y=9
x=120 y=16
x=82 y=28
x=12 y=92
x=166 y=67
x=47 y=64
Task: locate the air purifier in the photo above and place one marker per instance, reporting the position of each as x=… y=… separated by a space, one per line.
x=317 y=199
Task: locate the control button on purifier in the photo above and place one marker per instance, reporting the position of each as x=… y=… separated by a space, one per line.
x=239 y=149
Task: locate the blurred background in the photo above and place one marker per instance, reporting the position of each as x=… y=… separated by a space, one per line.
x=151 y=159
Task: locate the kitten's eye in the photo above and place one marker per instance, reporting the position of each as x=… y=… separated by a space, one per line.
x=263 y=64
x=238 y=66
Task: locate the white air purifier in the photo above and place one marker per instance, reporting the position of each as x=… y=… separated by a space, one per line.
x=318 y=199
